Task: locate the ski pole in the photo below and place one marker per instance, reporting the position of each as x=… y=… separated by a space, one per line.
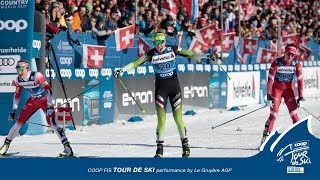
x=213 y=127
x=224 y=71
x=210 y=56
x=310 y=113
x=39 y=124
x=79 y=94
x=125 y=87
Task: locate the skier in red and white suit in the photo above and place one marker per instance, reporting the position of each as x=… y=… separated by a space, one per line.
x=40 y=98
x=281 y=85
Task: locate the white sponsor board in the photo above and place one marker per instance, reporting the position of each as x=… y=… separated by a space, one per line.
x=243 y=88
x=8 y=63
x=6 y=85
x=311 y=81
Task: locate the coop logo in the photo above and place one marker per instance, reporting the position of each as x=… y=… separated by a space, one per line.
x=131 y=72
x=36 y=44
x=50 y=73
x=80 y=73
x=94 y=73
x=237 y=67
x=142 y=97
x=199 y=67
x=256 y=67
x=215 y=68
x=243 y=67
x=106 y=72
x=151 y=70
x=74 y=103
x=107 y=105
x=181 y=67
x=65 y=60
x=169 y=74
x=207 y=68
x=230 y=67
x=142 y=70
x=66 y=73
x=296 y=154
x=64 y=46
x=12 y=25
x=13 y=4
x=190 y=67
x=195 y=91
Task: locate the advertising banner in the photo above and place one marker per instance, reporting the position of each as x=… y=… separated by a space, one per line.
x=195 y=88
x=16 y=32
x=243 y=88
x=142 y=89
x=16 y=21
x=73 y=88
x=6 y=85
x=214 y=91
x=311 y=81
x=36 y=45
x=8 y=63
x=107 y=99
x=63 y=50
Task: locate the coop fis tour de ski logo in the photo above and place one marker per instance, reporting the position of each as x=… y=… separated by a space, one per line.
x=297 y=154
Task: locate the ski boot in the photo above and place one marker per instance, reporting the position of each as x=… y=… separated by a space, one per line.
x=159 y=152
x=67 y=151
x=5 y=147
x=264 y=138
x=185 y=148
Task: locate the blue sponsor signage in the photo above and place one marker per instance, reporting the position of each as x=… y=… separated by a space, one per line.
x=16 y=32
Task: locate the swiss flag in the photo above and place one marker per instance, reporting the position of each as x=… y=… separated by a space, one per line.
x=228 y=41
x=273 y=45
x=247 y=9
x=266 y=55
x=208 y=34
x=124 y=37
x=300 y=52
x=303 y=53
x=93 y=56
x=198 y=46
x=291 y=39
x=249 y=46
x=303 y=40
x=170 y=7
x=143 y=47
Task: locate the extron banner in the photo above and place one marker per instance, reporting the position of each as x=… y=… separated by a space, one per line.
x=243 y=88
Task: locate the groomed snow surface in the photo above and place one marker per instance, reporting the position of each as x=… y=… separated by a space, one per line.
x=240 y=138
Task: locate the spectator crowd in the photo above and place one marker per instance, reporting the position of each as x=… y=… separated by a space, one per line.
x=258 y=18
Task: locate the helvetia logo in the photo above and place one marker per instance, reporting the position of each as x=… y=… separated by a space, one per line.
x=297 y=153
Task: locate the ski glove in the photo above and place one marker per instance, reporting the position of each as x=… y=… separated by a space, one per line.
x=270 y=100
x=12 y=115
x=117 y=73
x=213 y=57
x=50 y=111
x=299 y=104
